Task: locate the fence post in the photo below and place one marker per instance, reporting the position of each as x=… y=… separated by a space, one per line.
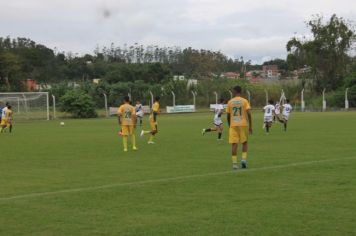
x=151 y=94
x=302 y=101
x=54 y=106
x=346 y=99
x=47 y=101
x=216 y=97
x=129 y=94
x=230 y=94
x=193 y=93
x=248 y=96
x=324 y=101
x=106 y=105
x=174 y=98
x=266 y=96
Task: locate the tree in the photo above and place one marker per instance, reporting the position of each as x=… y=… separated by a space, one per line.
x=78 y=103
x=326 y=53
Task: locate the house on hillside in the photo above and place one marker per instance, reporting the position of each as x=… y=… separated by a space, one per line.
x=270 y=72
x=231 y=75
x=254 y=76
x=30 y=84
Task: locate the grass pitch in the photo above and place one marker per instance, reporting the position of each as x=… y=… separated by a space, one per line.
x=76 y=180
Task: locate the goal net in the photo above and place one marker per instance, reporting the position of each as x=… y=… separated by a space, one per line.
x=28 y=105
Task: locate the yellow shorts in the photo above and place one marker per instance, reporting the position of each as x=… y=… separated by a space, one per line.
x=5 y=123
x=127 y=130
x=238 y=134
x=153 y=125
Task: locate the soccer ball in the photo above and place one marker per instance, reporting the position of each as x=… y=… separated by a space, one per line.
x=62 y=123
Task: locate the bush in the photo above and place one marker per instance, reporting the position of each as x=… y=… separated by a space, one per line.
x=78 y=103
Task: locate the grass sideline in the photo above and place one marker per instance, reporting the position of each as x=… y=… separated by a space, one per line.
x=154 y=191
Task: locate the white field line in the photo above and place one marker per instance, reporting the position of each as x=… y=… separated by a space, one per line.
x=93 y=188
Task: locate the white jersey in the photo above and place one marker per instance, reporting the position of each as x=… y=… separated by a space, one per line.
x=277 y=109
x=3 y=112
x=219 y=109
x=139 y=110
x=287 y=108
x=269 y=110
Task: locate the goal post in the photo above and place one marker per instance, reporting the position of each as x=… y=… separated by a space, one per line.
x=27 y=105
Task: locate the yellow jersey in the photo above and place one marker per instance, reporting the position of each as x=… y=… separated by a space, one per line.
x=8 y=114
x=155 y=109
x=127 y=113
x=237 y=107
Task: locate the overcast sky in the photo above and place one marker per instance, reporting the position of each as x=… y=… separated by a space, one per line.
x=257 y=30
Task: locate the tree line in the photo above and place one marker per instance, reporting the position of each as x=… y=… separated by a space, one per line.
x=327 y=59
x=22 y=58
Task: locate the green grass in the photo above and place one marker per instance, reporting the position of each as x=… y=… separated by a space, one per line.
x=146 y=196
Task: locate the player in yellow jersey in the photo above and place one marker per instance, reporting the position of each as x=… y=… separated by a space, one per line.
x=6 y=119
x=127 y=121
x=153 y=121
x=240 y=126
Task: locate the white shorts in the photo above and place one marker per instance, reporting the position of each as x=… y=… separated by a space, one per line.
x=285 y=117
x=217 y=122
x=277 y=112
x=139 y=114
x=268 y=119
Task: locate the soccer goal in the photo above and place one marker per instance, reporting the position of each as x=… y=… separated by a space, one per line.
x=27 y=105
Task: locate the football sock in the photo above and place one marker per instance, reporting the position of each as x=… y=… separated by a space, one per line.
x=219 y=135
x=207 y=130
x=133 y=141
x=124 y=141
x=285 y=126
x=244 y=156
x=234 y=159
x=10 y=128
x=140 y=122
x=151 y=138
x=267 y=128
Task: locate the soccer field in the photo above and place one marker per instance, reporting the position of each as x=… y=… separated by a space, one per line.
x=76 y=180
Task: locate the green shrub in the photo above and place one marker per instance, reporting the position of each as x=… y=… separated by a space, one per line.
x=78 y=103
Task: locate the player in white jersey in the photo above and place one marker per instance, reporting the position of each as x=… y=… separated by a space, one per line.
x=139 y=111
x=218 y=124
x=277 y=112
x=3 y=111
x=287 y=109
x=269 y=111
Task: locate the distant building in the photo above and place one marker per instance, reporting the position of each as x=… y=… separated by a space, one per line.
x=96 y=81
x=231 y=75
x=270 y=72
x=73 y=85
x=254 y=76
x=30 y=84
x=178 y=77
x=190 y=82
x=40 y=87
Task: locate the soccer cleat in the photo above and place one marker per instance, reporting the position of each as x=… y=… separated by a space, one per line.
x=203 y=132
x=243 y=165
x=220 y=139
x=142 y=133
x=151 y=142
x=235 y=166
x=134 y=148
x=125 y=150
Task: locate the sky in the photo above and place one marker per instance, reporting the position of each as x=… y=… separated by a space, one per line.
x=256 y=30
